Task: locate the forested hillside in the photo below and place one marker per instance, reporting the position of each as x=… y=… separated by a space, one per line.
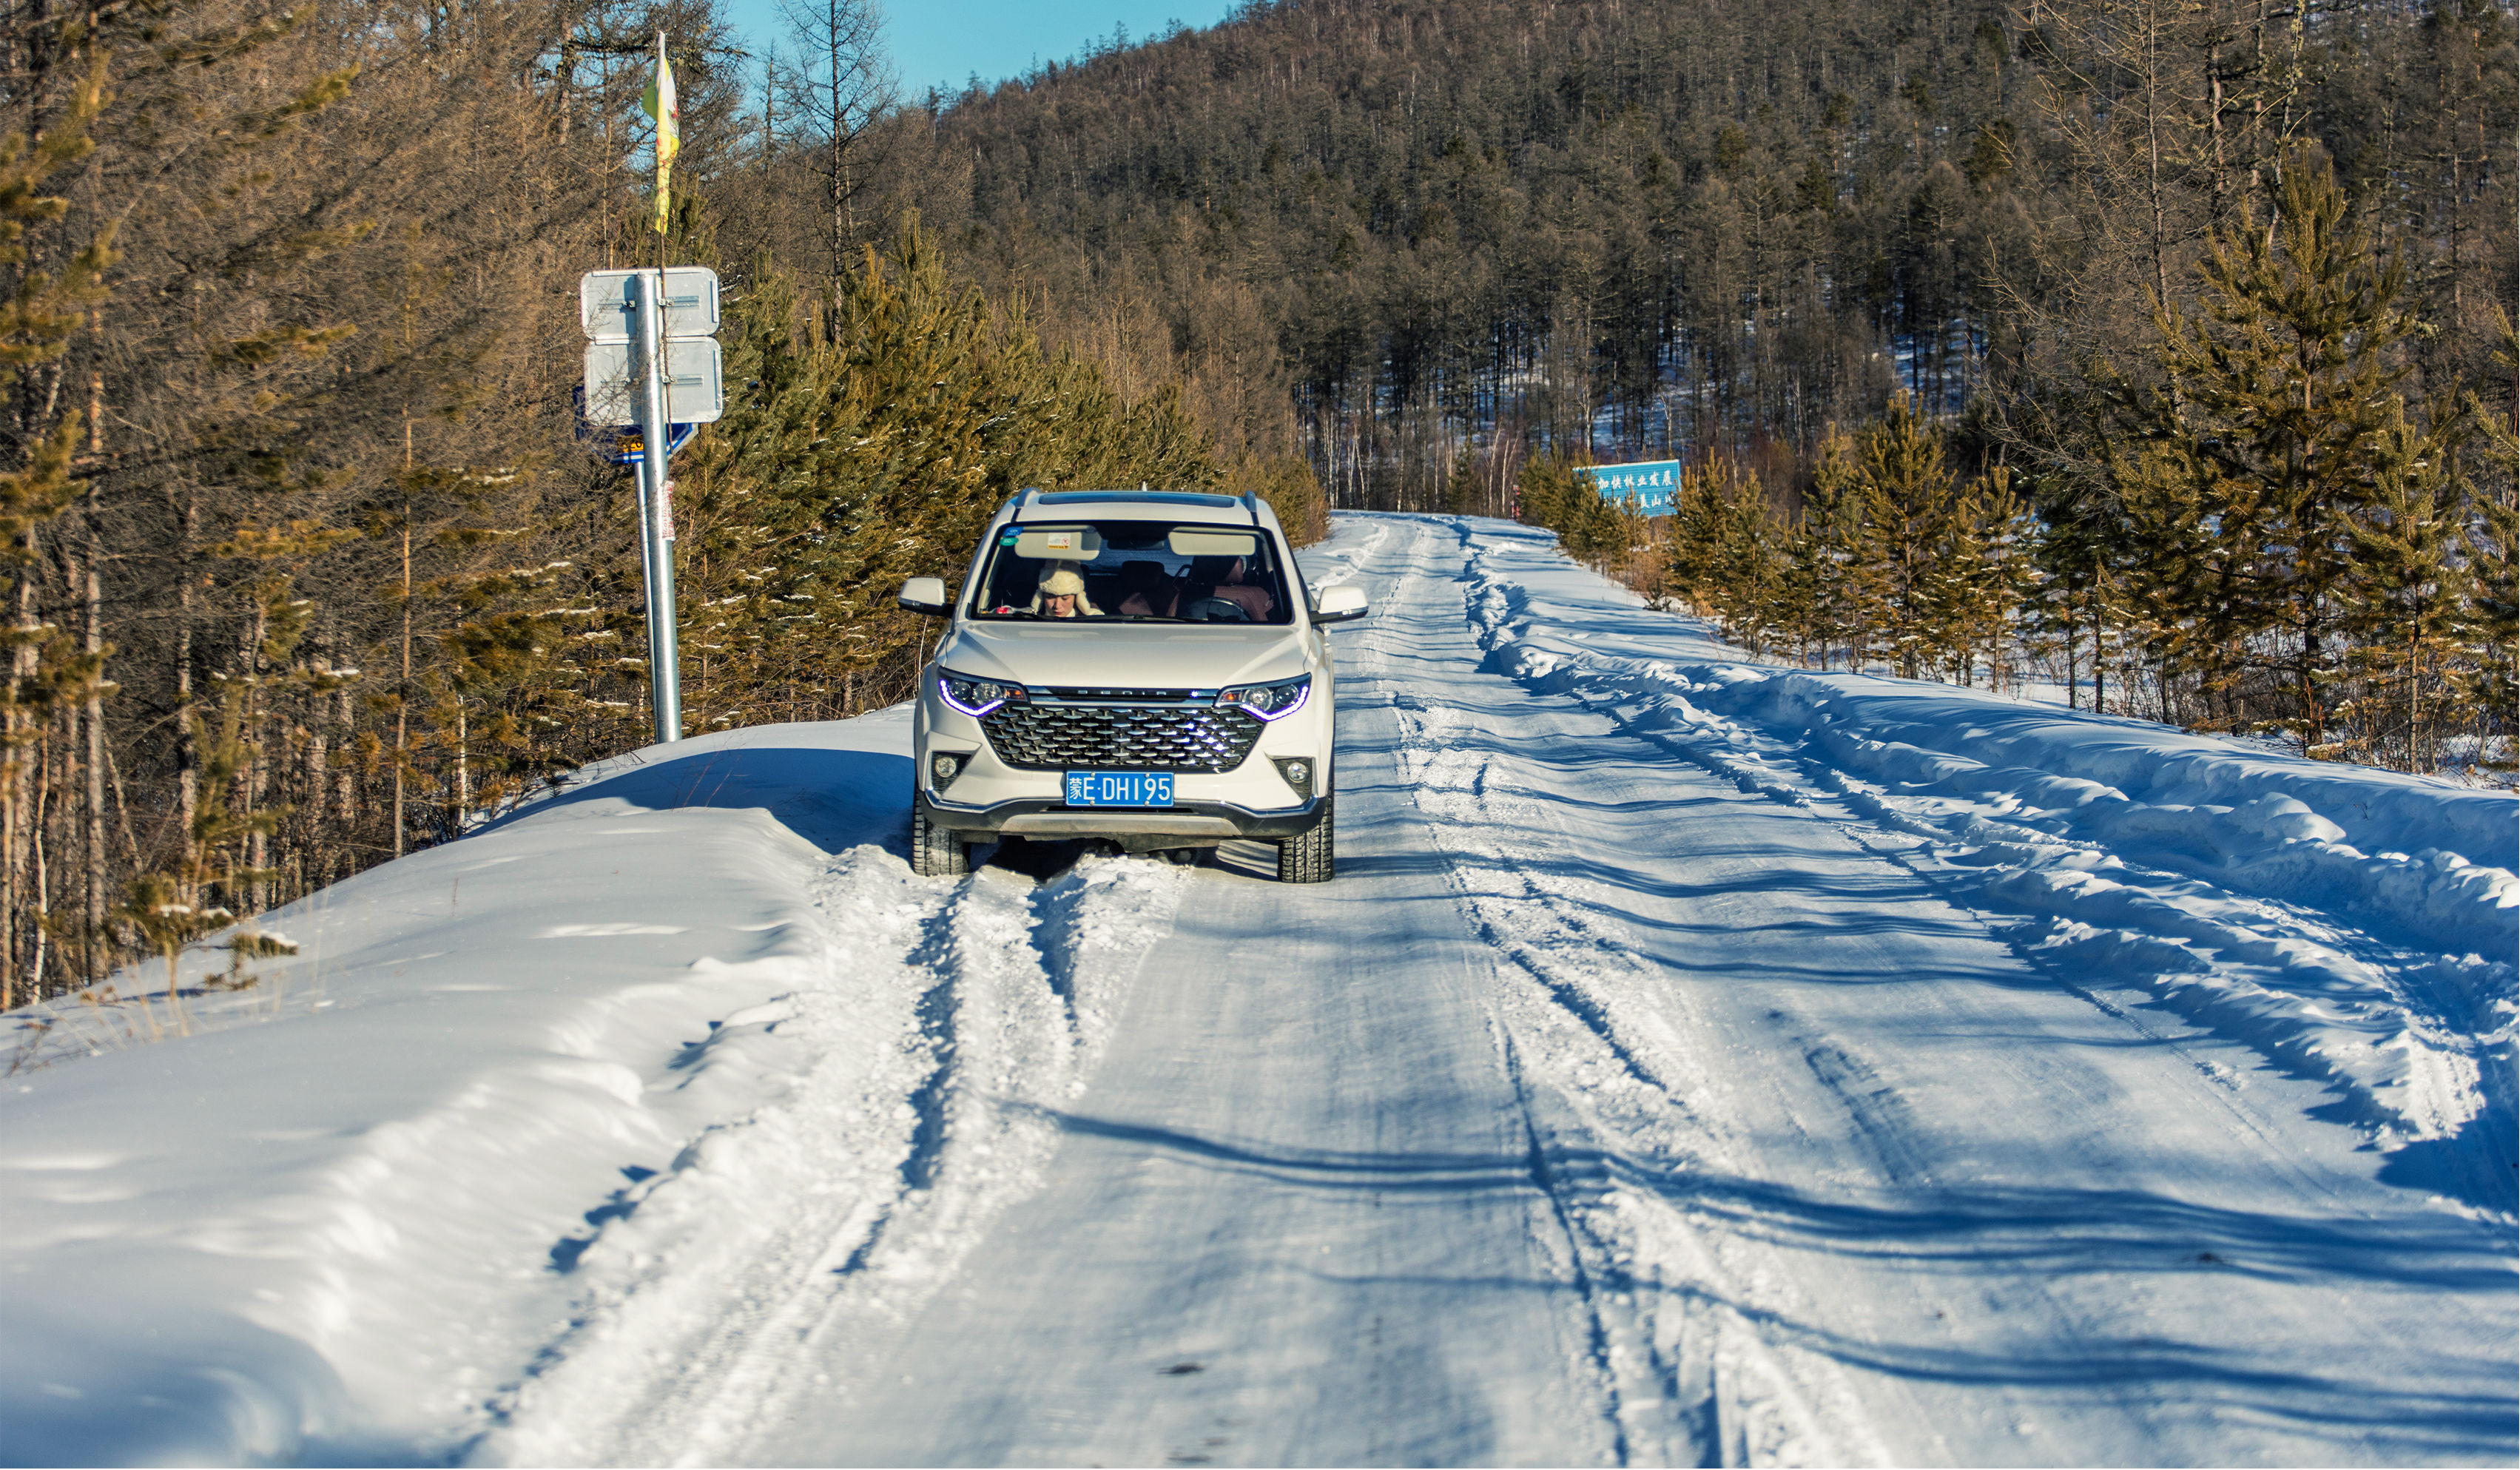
x=1684 y=222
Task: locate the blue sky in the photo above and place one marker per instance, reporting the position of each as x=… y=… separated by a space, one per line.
x=942 y=42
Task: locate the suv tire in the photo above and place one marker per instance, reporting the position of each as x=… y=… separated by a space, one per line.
x=1309 y=858
x=937 y=852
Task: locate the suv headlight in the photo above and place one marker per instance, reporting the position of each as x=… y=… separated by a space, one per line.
x=975 y=696
x=1269 y=701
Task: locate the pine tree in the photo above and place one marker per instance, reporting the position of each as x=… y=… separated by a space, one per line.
x=1982 y=574
x=1698 y=514
x=2076 y=558
x=2402 y=603
x=40 y=311
x=2487 y=678
x=876 y=456
x=1910 y=502
x=1728 y=555
x=1829 y=538
x=1592 y=529
x=2280 y=414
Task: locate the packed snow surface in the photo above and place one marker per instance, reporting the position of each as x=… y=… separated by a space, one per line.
x=1695 y=1061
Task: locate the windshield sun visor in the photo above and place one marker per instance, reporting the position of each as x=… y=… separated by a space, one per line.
x=1058 y=544
x=1201 y=543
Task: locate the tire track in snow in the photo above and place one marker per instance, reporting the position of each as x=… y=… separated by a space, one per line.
x=2417 y=1045
x=1720 y=1355
x=941 y=1022
x=1923 y=1160
x=1686 y=1378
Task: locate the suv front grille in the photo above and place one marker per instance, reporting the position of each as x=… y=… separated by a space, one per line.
x=1037 y=737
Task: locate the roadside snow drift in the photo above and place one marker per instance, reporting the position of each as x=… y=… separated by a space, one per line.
x=1695 y=1060
x=2210 y=875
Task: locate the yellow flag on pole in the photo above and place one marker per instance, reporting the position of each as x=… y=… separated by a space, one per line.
x=661 y=104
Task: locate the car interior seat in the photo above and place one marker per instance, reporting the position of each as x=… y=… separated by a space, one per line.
x=1147 y=579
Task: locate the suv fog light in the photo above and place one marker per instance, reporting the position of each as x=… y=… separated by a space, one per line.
x=944 y=767
x=1298 y=774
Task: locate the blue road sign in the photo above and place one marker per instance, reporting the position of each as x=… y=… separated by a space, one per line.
x=622 y=446
x=628 y=448
x=1648 y=487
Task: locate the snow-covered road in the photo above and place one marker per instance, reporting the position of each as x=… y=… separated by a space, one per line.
x=1691 y=1063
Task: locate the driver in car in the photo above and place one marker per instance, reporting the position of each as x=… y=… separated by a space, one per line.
x=1061 y=594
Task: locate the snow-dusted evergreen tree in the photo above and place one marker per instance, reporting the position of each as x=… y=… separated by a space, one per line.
x=2077 y=608
x=2403 y=604
x=1890 y=553
x=1827 y=538
x=1592 y=529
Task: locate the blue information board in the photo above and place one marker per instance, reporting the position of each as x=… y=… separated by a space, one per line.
x=1648 y=487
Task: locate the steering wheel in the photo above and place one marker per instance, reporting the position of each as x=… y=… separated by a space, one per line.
x=1216 y=610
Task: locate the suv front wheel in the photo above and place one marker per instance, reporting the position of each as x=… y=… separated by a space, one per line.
x=1308 y=859
x=937 y=852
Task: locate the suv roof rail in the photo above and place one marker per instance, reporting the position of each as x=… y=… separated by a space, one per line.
x=1251 y=503
x=1024 y=498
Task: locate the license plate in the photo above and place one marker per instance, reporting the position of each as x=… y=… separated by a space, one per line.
x=1120 y=789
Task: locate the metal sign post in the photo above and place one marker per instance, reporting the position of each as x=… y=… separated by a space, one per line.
x=655 y=517
x=650 y=333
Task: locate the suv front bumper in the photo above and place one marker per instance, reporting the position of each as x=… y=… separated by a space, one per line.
x=1187 y=823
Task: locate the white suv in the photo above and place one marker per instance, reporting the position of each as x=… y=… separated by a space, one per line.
x=1144 y=669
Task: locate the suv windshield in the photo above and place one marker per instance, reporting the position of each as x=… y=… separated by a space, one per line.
x=1133 y=571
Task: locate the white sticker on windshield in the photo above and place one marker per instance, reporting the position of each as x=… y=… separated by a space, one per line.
x=1059 y=541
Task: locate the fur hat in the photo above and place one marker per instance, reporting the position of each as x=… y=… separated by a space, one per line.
x=1062 y=583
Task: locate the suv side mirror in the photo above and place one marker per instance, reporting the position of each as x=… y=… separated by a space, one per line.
x=926 y=594
x=1339 y=605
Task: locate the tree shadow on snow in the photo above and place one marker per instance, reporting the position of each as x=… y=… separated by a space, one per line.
x=2451 y=1409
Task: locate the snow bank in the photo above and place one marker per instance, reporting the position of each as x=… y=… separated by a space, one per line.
x=487 y=1168
x=2353 y=925
x=330 y=1223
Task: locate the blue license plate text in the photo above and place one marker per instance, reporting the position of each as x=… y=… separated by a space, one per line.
x=1120 y=789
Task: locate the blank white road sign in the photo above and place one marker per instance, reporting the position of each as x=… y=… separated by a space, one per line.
x=691 y=302
x=694 y=382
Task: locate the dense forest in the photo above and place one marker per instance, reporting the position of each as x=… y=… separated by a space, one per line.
x=1638 y=228
x=1988 y=322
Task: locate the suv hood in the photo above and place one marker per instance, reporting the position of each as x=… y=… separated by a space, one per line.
x=1133 y=655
